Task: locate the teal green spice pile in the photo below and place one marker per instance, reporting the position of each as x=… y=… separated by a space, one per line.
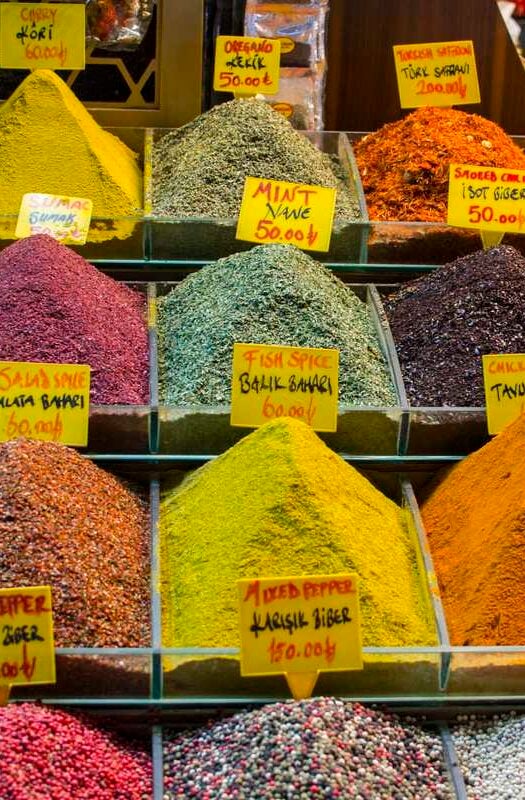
x=273 y=294
x=278 y=503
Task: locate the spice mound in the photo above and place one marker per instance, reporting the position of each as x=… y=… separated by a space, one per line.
x=475 y=522
x=49 y=753
x=491 y=756
x=276 y=502
x=444 y=322
x=49 y=143
x=273 y=294
x=66 y=523
x=57 y=308
x=314 y=748
x=404 y=165
x=200 y=169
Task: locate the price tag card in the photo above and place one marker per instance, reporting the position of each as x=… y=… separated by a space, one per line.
x=247 y=65
x=66 y=219
x=27 y=649
x=42 y=36
x=299 y=626
x=269 y=381
x=44 y=401
x=436 y=74
x=504 y=379
x=286 y=213
x=487 y=198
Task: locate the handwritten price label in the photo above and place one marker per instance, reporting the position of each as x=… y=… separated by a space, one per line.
x=27 y=650
x=269 y=381
x=504 y=379
x=488 y=198
x=286 y=213
x=436 y=74
x=44 y=401
x=299 y=625
x=66 y=219
x=247 y=65
x=42 y=36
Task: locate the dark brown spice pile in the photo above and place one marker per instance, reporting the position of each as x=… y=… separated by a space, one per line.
x=66 y=523
x=444 y=322
x=55 y=307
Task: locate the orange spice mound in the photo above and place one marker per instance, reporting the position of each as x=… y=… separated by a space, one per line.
x=475 y=521
x=404 y=165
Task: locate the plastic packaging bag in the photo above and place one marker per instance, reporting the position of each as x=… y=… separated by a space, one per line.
x=117 y=24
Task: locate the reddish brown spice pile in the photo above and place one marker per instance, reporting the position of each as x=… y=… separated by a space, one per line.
x=404 y=165
x=66 y=523
x=55 y=307
x=51 y=754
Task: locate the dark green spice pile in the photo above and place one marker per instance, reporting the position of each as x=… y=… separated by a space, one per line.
x=66 y=523
x=199 y=170
x=273 y=294
x=444 y=322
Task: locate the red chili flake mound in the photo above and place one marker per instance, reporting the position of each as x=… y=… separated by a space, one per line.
x=404 y=165
x=56 y=307
x=48 y=754
x=66 y=523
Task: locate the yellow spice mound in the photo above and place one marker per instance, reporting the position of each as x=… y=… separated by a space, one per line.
x=49 y=143
x=281 y=503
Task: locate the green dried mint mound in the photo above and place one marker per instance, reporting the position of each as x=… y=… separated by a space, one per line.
x=200 y=169
x=273 y=294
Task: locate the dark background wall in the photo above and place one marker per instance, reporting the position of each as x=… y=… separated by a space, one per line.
x=362 y=90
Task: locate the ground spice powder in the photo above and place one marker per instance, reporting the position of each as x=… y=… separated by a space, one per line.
x=50 y=754
x=444 y=322
x=404 y=166
x=66 y=523
x=200 y=169
x=57 y=308
x=278 y=503
x=49 y=143
x=273 y=294
x=475 y=522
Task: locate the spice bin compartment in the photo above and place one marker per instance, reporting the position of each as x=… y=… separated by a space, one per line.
x=208 y=238
x=413 y=242
x=113 y=239
x=408 y=673
x=490 y=672
x=92 y=674
x=360 y=429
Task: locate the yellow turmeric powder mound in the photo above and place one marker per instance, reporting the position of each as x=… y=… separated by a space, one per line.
x=475 y=520
x=282 y=503
x=49 y=143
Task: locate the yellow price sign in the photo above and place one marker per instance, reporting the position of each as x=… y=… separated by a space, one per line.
x=270 y=381
x=44 y=401
x=504 y=379
x=42 y=36
x=27 y=649
x=279 y=212
x=247 y=65
x=488 y=198
x=300 y=626
x=436 y=74
x=66 y=219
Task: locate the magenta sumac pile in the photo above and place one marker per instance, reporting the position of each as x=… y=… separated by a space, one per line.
x=55 y=307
